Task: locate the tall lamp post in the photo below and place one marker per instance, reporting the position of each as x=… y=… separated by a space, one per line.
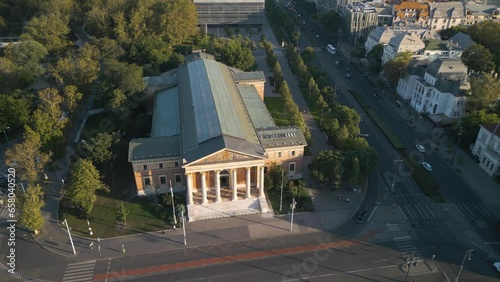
x=183 y=226
x=6 y=138
x=467 y=255
x=411 y=260
x=70 y=238
x=293 y=208
x=460 y=131
x=281 y=195
x=173 y=205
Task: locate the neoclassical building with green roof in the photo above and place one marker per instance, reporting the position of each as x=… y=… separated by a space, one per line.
x=212 y=137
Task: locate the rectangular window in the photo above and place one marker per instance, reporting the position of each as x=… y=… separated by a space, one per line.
x=293 y=153
x=291 y=168
x=279 y=154
x=160 y=165
x=483 y=137
x=178 y=179
x=163 y=180
x=147 y=181
x=176 y=164
x=145 y=167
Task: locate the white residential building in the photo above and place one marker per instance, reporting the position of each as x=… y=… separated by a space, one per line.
x=487 y=148
x=402 y=43
x=445 y=15
x=441 y=90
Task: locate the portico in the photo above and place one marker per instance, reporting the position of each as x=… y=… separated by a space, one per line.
x=231 y=184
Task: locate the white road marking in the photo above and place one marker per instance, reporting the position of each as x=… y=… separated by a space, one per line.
x=459 y=210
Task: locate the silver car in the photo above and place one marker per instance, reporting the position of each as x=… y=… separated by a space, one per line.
x=427 y=166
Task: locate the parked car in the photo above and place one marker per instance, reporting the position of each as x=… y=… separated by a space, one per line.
x=337 y=63
x=348 y=75
x=361 y=217
x=427 y=166
x=420 y=148
x=496 y=266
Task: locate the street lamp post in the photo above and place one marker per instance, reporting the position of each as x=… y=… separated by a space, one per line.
x=460 y=131
x=467 y=255
x=281 y=195
x=293 y=208
x=183 y=226
x=70 y=238
x=6 y=138
x=90 y=228
x=173 y=205
x=411 y=260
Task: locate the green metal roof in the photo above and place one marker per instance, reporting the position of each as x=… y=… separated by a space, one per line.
x=166 y=113
x=249 y=76
x=281 y=137
x=257 y=110
x=153 y=148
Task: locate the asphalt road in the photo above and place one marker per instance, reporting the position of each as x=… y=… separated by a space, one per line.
x=430 y=221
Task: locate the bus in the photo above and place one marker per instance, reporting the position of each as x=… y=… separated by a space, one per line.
x=331 y=49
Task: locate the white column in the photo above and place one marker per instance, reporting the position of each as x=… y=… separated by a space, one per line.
x=261 y=185
x=204 y=187
x=217 y=186
x=235 y=184
x=189 y=189
x=248 y=182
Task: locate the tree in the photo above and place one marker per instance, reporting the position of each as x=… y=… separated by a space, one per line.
x=103 y=147
x=27 y=56
x=50 y=102
x=484 y=34
x=85 y=182
x=71 y=97
x=471 y=121
x=375 y=58
x=50 y=30
x=327 y=167
x=15 y=109
x=78 y=68
x=354 y=171
x=397 y=67
x=109 y=48
x=274 y=177
x=31 y=204
x=124 y=76
x=27 y=157
x=478 y=58
x=117 y=100
x=122 y=214
x=50 y=130
x=166 y=23
x=150 y=50
x=485 y=92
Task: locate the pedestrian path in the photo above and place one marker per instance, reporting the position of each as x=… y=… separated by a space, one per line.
x=79 y=272
x=406 y=246
x=418 y=211
x=472 y=210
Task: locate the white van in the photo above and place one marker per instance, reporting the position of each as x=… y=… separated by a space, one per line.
x=331 y=49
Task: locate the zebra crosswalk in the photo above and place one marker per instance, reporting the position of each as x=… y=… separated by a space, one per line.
x=472 y=210
x=79 y=272
x=418 y=211
x=393 y=227
x=406 y=246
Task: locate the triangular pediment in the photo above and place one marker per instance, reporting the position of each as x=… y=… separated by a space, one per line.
x=224 y=156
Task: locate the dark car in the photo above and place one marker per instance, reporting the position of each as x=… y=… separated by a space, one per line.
x=361 y=217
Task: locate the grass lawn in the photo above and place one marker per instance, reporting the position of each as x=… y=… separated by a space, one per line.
x=103 y=221
x=96 y=124
x=274 y=197
x=275 y=107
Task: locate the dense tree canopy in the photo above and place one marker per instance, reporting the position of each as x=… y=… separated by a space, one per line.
x=484 y=94
x=478 y=58
x=375 y=58
x=78 y=68
x=85 y=182
x=129 y=20
x=471 y=122
x=15 y=108
x=27 y=157
x=31 y=208
x=486 y=34
x=50 y=30
x=397 y=67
